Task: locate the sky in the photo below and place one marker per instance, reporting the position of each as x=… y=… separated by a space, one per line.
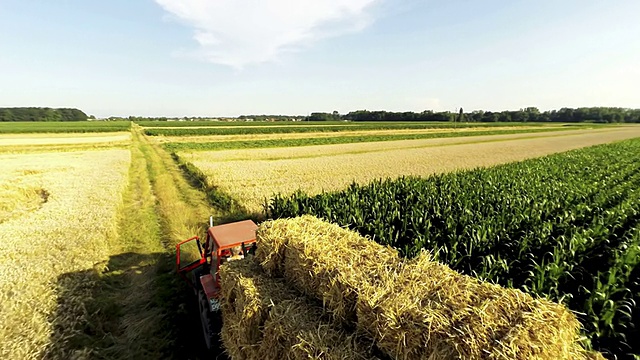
x=294 y=57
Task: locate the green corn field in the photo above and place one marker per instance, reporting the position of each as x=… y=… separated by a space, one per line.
x=565 y=227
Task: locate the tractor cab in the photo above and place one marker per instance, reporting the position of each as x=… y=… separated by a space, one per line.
x=198 y=265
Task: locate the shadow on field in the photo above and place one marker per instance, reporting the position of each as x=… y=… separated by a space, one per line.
x=134 y=308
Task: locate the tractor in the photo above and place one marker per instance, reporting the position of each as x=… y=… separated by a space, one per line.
x=198 y=265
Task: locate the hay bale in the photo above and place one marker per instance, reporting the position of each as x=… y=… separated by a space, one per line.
x=295 y=331
x=324 y=261
x=246 y=300
x=247 y=297
x=270 y=251
x=264 y=319
x=429 y=311
x=416 y=309
x=231 y=338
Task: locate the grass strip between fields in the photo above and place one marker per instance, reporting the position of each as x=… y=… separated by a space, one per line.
x=272 y=143
x=182 y=213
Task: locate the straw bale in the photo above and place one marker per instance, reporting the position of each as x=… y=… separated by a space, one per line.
x=325 y=261
x=295 y=331
x=231 y=338
x=264 y=319
x=246 y=300
x=270 y=251
x=432 y=312
x=415 y=309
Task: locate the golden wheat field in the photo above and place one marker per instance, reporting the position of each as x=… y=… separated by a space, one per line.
x=253 y=176
x=57 y=216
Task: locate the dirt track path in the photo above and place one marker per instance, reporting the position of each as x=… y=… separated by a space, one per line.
x=181 y=212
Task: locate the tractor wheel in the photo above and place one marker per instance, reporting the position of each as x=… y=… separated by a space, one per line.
x=207 y=320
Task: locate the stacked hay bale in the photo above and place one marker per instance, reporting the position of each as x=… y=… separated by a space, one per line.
x=415 y=309
x=430 y=311
x=264 y=319
x=325 y=262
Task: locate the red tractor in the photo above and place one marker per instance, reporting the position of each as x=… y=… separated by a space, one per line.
x=198 y=265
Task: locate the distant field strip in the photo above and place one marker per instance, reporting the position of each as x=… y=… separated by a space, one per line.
x=301 y=152
x=217 y=138
x=207 y=123
x=47 y=143
x=62 y=139
x=61 y=220
x=247 y=130
x=33 y=149
x=63 y=127
x=270 y=125
x=334 y=167
x=253 y=124
x=345 y=138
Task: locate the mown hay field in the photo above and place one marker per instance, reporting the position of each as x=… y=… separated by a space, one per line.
x=58 y=216
x=252 y=176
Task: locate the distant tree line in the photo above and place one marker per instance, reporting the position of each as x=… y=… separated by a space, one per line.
x=530 y=114
x=41 y=114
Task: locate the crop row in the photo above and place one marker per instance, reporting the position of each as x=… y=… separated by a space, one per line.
x=565 y=226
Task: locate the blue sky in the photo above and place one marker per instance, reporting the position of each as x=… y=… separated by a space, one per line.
x=233 y=57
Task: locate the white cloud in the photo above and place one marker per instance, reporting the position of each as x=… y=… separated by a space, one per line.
x=240 y=32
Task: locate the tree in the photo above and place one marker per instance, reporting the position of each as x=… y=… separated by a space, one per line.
x=41 y=114
x=318 y=116
x=461 y=115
